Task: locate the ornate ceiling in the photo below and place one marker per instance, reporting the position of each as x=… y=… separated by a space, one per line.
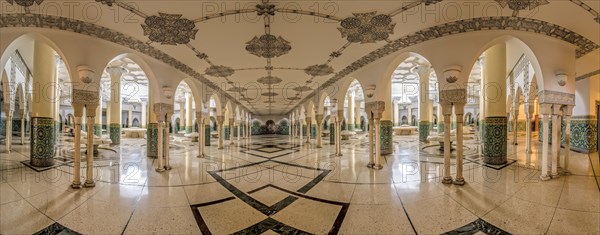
x=272 y=55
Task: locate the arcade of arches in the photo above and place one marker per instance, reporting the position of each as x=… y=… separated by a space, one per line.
x=354 y=117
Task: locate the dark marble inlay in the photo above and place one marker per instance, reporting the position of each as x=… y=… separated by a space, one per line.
x=476 y=226
x=56 y=228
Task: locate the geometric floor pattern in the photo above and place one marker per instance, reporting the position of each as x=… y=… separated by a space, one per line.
x=273 y=185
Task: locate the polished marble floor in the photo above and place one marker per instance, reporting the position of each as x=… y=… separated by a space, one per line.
x=271 y=184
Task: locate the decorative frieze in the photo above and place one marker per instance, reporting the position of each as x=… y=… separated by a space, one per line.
x=386 y=135
x=555 y=97
x=85 y=97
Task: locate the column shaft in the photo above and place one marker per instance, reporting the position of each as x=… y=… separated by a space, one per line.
x=447 y=147
x=377 y=144
x=89 y=170
x=77 y=153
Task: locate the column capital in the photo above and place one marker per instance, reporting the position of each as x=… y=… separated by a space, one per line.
x=319 y=118
x=567 y=110
x=446 y=108
x=77 y=109
x=115 y=72
x=220 y=119
x=546 y=109
x=556 y=109
x=308 y=119
x=199 y=115
x=90 y=110
x=376 y=108
x=459 y=108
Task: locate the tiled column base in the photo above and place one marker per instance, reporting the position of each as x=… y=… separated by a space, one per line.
x=313 y=131
x=114 y=130
x=188 y=129
x=424 y=128
x=152 y=140
x=42 y=141
x=206 y=135
x=440 y=127
x=98 y=129
x=495 y=140
x=350 y=127
x=386 y=136
x=304 y=130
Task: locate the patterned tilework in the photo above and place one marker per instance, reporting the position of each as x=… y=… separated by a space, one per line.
x=331 y=134
x=494 y=140
x=56 y=228
x=583 y=134
x=114 y=130
x=386 y=137
x=151 y=140
x=424 y=128
x=207 y=135
x=225 y=132
x=3 y=126
x=235 y=134
x=98 y=129
x=481 y=130
x=255 y=129
x=522 y=125
x=440 y=127
x=42 y=141
x=304 y=130
x=313 y=131
x=350 y=127
x=283 y=129
x=188 y=129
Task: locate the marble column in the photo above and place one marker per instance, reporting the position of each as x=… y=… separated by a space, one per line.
x=98 y=120
x=77 y=113
x=231 y=131
x=89 y=170
x=377 y=144
x=167 y=141
x=151 y=129
x=515 y=122
x=43 y=135
x=495 y=123
x=182 y=116
x=459 y=109
x=447 y=111
x=144 y=114
x=556 y=128
x=351 y=103
x=301 y=130
x=189 y=108
x=200 y=121
x=567 y=112
x=396 y=113
x=114 y=128
x=319 y=120
x=239 y=129
x=528 y=116
x=545 y=111
x=371 y=147
x=440 y=119
x=8 y=126
x=249 y=125
x=160 y=117
x=424 y=108
x=23 y=127
x=130 y=118
x=207 y=129
x=308 y=127
x=338 y=136
x=220 y=120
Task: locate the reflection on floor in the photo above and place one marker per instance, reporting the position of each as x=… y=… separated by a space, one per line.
x=271 y=184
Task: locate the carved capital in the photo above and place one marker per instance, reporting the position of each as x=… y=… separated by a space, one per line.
x=453 y=96
x=567 y=110
x=375 y=108
x=85 y=97
x=556 y=97
x=163 y=108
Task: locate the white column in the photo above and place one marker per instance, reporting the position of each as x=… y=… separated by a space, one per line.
x=350 y=119
x=115 y=102
x=371 y=138
x=377 y=144
x=556 y=126
x=130 y=118
x=200 y=121
x=161 y=123
x=8 y=127
x=143 y=123
x=89 y=170
x=308 y=127
x=300 y=126
x=396 y=113
x=239 y=133
x=459 y=110
x=567 y=112
x=220 y=120
x=167 y=141
x=319 y=131
x=545 y=111
x=230 y=131
x=23 y=127
x=409 y=115
x=447 y=111
x=189 y=127
x=77 y=148
x=182 y=116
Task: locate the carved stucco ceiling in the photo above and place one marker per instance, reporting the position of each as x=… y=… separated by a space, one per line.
x=208 y=34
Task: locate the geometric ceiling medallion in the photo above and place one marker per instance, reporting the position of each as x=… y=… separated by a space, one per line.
x=107 y=2
x=169 y=29
x=237 y=89
x=294 y=98
x=517 y=5
x=219 y=71
x=25 y=3
x=302 y=89
x=318 y=70
x=367 y=27
x=269 y=80
x=268 y=46
x=269 y=94
x=270 y=101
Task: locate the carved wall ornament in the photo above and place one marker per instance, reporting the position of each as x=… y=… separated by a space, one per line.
x=269 y=80
x=556 y=97
x=219 y=71
x=517 y=5
x=237 y=89
x=367 y=27
x=86 y=74
x=85 y=97
x=561 y=78
x=268 y=46
x=318 y=70
x=452 y=73
x=293 y=98
x=107 y=2
x=265 y=9
x=169 y=29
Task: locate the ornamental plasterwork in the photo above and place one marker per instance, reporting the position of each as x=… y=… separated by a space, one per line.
x=556 y=97
x=517 y=5
x=163 y=108
x=453 y=96
x=269 y=80
x=219 y=71
x=25 y=3
x=318 y=70
x=367 y=27
x=169 y=29
x=588 y=75
x=302 y=89
x=268 y=46
x=85 y=97
x=107 y=2
x=269 y=94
